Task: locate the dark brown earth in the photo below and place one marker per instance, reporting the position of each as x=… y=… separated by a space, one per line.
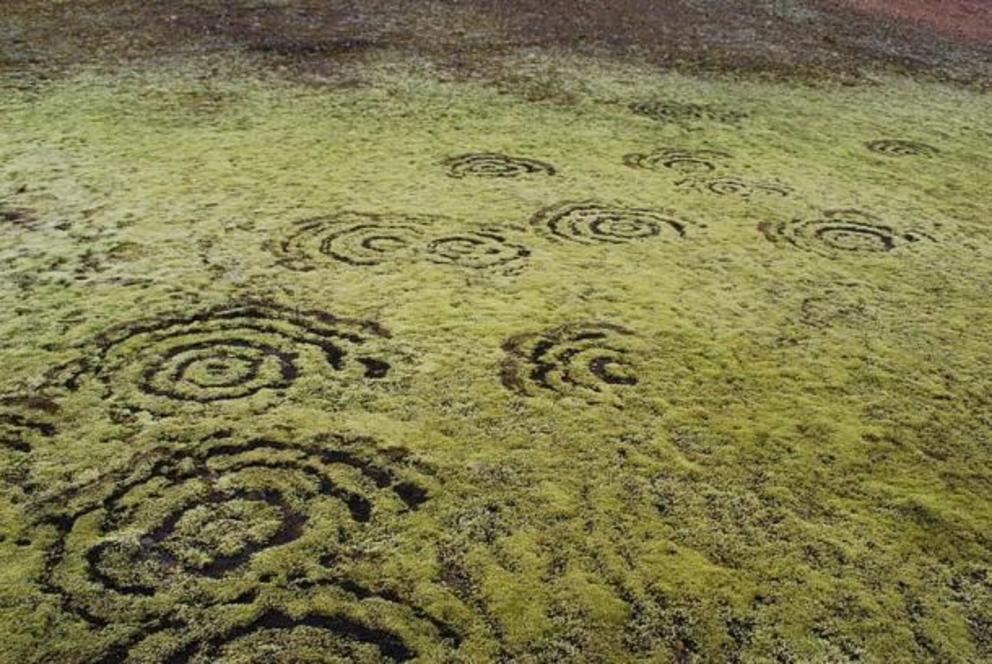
x=962 y=19
x=809 y=39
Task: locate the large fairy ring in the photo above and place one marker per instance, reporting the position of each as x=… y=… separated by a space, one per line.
x=668 y=110
x=681 y=160
x=589 y=361
x=227 y=353
x=592 y=222
x=734 y=186
x=495 y=165
x=353 y=238
x=482 y=249
x=844 y=231
x=901 y=148
x=206 y=524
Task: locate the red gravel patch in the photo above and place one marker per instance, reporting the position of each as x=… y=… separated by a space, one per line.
x=964 y=19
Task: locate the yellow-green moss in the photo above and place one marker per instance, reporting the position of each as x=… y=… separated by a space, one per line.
x=800 y=473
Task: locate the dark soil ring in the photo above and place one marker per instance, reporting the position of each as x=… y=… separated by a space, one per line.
x=901 y=148
x=591 y=222
x=677 y=159
x=493 y=165
x=367 y=239
x=352 y=238
x=332 y=621
x=477 y=250
x=336 y=637
x=843 y=231
x=584 y=360
x=186 y=520
x=228 y=353
x=734 y=186
x=675 y=111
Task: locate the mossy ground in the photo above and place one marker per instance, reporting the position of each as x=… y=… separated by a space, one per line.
x=800 y=472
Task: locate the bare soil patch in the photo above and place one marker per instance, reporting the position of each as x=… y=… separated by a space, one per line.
x=790 y=38
x=962 y=19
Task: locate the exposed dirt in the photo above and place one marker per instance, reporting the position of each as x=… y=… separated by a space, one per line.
x=963 y=19
x=784 y=38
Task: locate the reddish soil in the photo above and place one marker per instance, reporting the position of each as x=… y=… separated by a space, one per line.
x=780 y=38
x=964 y=19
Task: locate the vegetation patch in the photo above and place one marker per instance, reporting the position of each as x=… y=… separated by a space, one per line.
x=289 y=376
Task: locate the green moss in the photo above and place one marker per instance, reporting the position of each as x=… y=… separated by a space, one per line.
x=792 y=464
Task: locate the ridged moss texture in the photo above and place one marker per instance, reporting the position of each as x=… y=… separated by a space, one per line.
x=618 y=367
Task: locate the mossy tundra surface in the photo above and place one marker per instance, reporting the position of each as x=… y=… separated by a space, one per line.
x=617 y=366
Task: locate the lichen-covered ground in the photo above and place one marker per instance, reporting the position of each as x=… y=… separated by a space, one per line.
x=362 y=348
